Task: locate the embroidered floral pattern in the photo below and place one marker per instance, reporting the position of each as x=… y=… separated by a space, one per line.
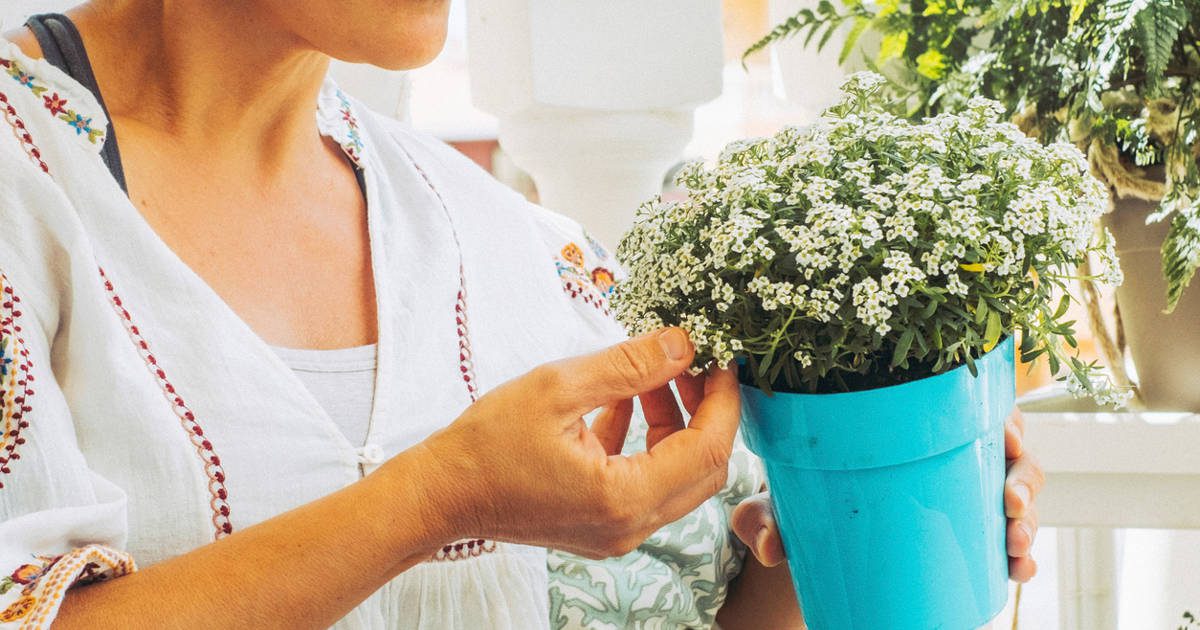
x=604 y=280
x=218 y=495
x=22 y=134
x=597 y=249
x=591 y=287
x=16 y=378
x=44 y=582
x=572 y=254
x=53 y=102
x=353 y=144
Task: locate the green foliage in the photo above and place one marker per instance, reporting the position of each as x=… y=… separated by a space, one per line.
x=817 y=24
x=870 y=250
x=1190 y=622
x=1120 y=73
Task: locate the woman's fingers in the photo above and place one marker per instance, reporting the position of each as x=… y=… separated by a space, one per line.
x=668 y=473
x=754 y=523
x=1022 y=569
x=1014 y=436
x=575 y=386
x=1024 y=482
x=1021 y=533
x=1021 y=487
x=612 y=425
x=691 y=391
x=662 y=413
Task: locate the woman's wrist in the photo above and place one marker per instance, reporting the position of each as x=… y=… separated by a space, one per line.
x=445 y=488
x=418 y=512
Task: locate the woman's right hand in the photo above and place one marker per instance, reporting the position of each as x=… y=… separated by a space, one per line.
x=520 y=465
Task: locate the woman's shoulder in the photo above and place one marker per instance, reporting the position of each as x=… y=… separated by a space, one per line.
x=48 y=112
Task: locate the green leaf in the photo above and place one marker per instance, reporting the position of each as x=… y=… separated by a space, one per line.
x=804 y=19
x=981 y=311
x=1159 y=26
x=901 y=353
x=929 y=309
x=829 y=31
x=1063 y=305
x=991 y=335
x=892 y=45
x=1181 y=253
x=860 y=25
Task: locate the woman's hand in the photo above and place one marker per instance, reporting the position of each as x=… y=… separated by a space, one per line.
x=521 y=465
x=754 y=522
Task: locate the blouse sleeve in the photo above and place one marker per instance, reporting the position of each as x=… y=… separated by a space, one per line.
x=685 y=568
x=587 y=272
x=60 y=524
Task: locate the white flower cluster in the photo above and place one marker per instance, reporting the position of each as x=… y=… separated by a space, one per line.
x=867 y=246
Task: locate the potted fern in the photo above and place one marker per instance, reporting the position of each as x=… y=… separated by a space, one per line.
x=875 y=278
x=1118 y=78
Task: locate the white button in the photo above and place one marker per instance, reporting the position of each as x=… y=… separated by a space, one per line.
x=370 y=454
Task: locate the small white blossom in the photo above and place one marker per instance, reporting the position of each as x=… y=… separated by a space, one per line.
x=821 y=246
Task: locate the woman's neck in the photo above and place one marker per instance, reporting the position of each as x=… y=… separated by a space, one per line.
x=214 y=74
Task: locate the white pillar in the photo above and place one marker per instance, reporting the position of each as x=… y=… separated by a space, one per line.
x=595 y=99
x=807 y=77
x=1087 y=579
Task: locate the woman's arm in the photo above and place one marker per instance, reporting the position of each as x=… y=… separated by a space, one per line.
x=761 y=597
x=305 y=568
x=520 y=465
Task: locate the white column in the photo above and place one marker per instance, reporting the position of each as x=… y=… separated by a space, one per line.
x=1087 y=579
x=807 y=77
x=595 y=99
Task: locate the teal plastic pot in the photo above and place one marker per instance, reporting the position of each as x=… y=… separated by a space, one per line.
x=891 y=500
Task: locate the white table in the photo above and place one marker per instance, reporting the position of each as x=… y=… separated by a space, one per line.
x=1106 y=471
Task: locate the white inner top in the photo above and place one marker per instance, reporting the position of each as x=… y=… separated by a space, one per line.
x=342 y=381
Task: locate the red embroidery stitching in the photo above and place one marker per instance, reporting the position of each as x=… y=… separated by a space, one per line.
x=16 y=378
x=466 y=366
x=464 y=549
x=22 y=134
x=204 y=447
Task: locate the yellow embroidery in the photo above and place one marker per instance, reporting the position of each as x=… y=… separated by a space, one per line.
x=19 y=609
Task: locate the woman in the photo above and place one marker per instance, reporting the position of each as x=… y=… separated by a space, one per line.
x=197 y=275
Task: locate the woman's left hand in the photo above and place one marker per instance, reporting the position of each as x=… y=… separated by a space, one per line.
x=754 y=521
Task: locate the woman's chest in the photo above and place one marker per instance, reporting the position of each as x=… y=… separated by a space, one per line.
x=293 y=262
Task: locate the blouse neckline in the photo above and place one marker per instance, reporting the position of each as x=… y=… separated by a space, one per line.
x=78 y=109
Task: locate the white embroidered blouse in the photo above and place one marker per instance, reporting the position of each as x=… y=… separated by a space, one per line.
x=142 y=418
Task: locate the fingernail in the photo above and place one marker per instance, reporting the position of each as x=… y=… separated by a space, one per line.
x=1022 y=492
x=674 y=343
x=1028 y=532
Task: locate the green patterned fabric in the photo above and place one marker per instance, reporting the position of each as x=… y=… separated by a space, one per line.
x=678 y=578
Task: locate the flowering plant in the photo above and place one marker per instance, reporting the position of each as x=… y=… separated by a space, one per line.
x=868 y=250
x=1119 y=78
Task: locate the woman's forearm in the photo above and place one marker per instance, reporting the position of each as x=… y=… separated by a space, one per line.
x=761 y=597
x=305 y=568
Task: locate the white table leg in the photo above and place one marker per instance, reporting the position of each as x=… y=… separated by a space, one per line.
x=1087 y=579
